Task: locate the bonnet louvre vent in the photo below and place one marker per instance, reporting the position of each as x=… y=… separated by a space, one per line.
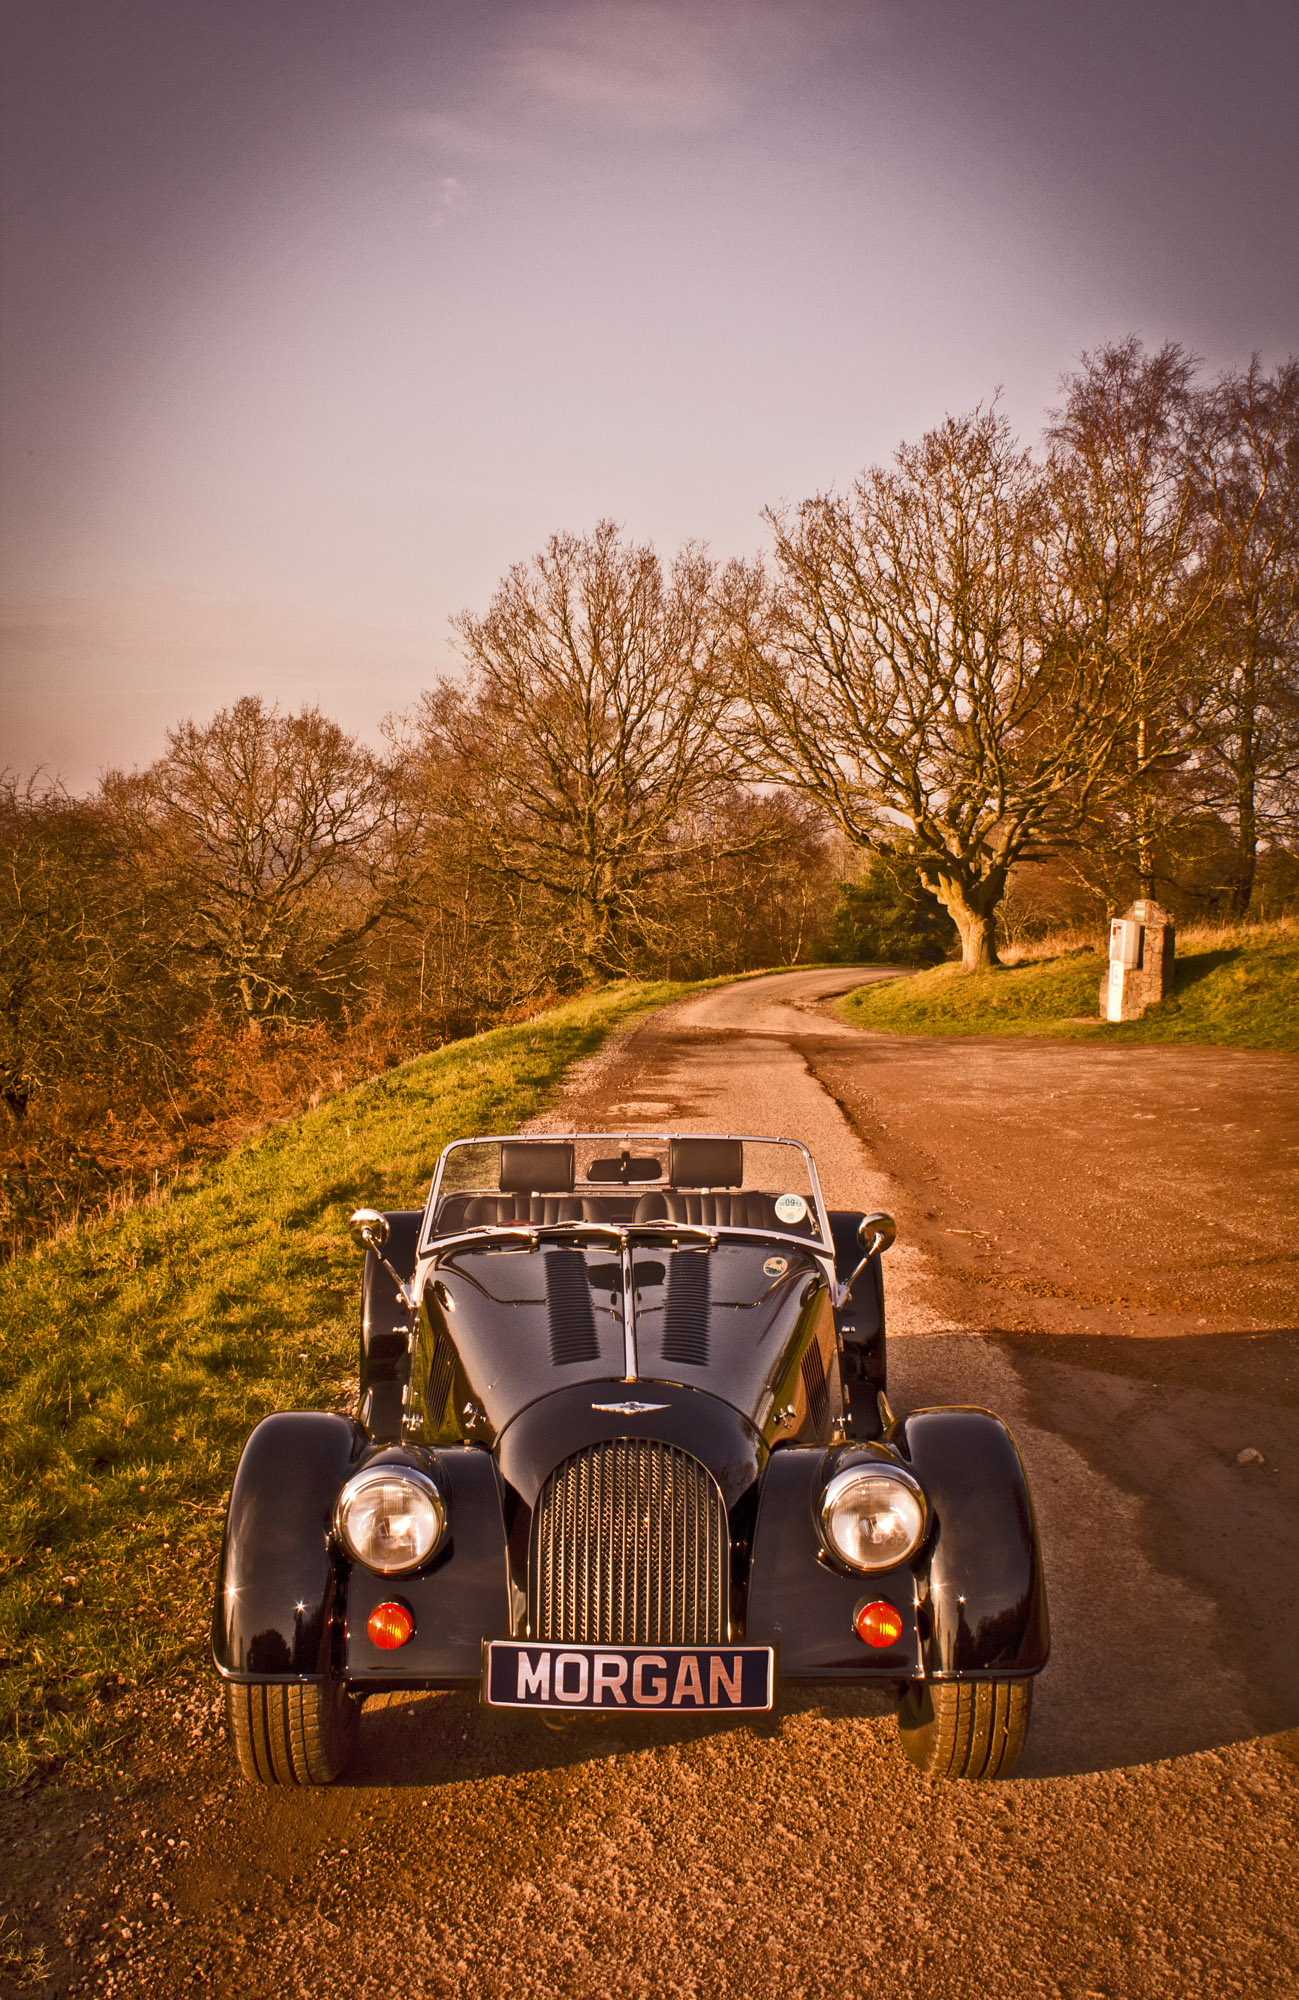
x=685 y=1312
x=817 y=1390
x=630 y=1547
x=568 y=1304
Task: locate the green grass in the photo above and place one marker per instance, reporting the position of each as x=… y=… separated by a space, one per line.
x=1237 y=987
x=137 y=1354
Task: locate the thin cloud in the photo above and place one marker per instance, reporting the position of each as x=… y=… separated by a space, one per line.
x=450 y=195
x=639 y=65
x=657 y=66
x=441 y=132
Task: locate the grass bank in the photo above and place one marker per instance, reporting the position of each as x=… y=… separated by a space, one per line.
x=136 y=1354
x=1236 y=986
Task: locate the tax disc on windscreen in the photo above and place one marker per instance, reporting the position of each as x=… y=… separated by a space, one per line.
x=775 y=1267
x=790 y=1207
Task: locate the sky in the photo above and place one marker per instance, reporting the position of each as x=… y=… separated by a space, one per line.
x=315 y=315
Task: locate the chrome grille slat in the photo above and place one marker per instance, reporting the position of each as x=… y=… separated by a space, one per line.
x=629 y=1547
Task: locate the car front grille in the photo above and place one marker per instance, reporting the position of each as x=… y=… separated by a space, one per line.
x=629 y=1547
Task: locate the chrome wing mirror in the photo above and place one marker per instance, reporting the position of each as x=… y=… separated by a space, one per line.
x=370 y=1230
x=875 y=1233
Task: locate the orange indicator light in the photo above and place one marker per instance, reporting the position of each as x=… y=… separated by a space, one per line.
x=390 y=1625
x=878 y=1624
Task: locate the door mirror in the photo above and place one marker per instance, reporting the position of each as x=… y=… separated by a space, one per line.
x=369 y=1228
x=876 y=1232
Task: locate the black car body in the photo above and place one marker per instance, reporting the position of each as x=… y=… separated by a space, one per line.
x=623 y=1442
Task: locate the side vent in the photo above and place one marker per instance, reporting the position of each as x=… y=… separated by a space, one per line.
x=685 y=1313
x=437 y=1390
x=817 y=1391
x=568 y=1303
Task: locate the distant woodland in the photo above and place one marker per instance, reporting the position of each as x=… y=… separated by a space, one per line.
x=987 y=693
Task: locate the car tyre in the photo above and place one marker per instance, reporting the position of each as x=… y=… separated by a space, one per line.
x=299 y=1734
x=965 y=1729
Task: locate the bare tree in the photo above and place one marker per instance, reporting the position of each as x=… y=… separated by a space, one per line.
x=758 y=888
x=917 y=669
x=270 y=822
x=1132 y=561
x=86 y=990
x=1245 y=449
x=584 y=736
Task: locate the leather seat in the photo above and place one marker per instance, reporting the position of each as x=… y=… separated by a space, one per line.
x=497 y=1210
x=710 y=1209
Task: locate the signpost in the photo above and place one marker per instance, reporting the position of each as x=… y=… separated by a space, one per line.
x=1140 y=970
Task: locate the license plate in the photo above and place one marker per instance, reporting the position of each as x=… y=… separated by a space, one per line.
x=701 y=1679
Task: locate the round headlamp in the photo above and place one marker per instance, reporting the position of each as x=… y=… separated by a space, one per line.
x=873 y=1516
x=391 y=1518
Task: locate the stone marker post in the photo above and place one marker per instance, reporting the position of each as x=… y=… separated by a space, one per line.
x=1141 y=962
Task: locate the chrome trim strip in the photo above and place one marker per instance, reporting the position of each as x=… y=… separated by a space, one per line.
x=631 y=1366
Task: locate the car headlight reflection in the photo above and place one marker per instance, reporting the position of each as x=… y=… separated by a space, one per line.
x=391 y=1518
x=872 y=1516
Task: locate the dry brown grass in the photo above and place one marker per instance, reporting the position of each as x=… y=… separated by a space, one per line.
x=91 y=1152
x=1218 y=934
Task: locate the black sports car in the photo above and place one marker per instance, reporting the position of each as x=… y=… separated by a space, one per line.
x=623 y=1444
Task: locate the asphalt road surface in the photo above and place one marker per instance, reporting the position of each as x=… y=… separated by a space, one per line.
x=1099 y=1244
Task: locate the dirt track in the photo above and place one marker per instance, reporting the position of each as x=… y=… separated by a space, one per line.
x=1097 y=1243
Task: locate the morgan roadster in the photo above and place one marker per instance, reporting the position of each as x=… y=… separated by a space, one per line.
x=623 y=1445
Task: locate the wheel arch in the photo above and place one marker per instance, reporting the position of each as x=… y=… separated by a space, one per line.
x=981 y=1590
x=277 y=1581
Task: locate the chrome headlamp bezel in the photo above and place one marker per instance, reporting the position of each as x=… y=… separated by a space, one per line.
x=354 y=1491
x=872 y=1472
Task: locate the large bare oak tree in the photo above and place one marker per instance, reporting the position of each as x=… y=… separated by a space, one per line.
x=914 y=666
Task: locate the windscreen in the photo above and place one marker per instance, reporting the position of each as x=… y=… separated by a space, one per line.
x=615 y=1169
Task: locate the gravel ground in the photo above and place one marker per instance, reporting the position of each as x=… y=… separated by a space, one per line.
x=1126 y=1298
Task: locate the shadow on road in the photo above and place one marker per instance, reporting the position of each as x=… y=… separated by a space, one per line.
x=1165 y=1474
x=436 y=1739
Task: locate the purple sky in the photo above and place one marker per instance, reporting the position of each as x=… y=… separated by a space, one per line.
x=319 y=313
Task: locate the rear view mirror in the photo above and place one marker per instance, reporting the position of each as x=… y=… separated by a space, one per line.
x=369 y=1228
x=876 y=1232
x=371 y=1231
x=625 y=1169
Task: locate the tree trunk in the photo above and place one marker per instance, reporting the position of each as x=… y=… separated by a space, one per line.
x=975 y=918
x=978 y=939
x=593 y=958
x=1242 y=887
x=1144 y=814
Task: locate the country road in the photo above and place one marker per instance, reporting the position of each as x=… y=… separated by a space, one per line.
x=1099 y=1244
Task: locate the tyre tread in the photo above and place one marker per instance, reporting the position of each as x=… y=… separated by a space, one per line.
x=285 y=1734
x=965 y=1729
